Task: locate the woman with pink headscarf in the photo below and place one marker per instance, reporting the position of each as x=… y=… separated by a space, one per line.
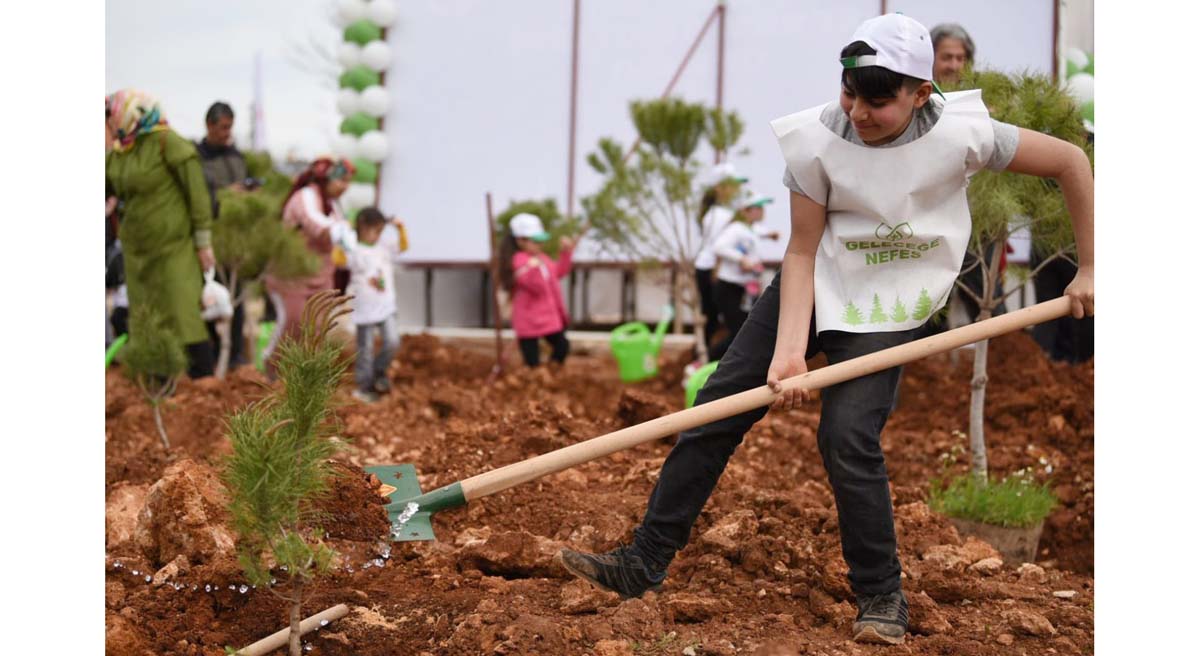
x=310 y=208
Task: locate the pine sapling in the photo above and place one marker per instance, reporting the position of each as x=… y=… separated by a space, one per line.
x=154 y=359
x=280 y=465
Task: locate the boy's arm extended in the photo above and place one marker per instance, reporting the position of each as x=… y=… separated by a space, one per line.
x=796 y=298
x=1042 y=155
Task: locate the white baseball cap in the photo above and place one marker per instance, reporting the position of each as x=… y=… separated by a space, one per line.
x=527 y=226
x=901 y=44
x=751 y=199
x=720 y=173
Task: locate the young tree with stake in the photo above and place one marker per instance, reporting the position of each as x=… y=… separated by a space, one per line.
x=1003 y=202
x=646 y=208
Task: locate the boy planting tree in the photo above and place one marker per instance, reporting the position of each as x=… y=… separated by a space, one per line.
x=884 y=169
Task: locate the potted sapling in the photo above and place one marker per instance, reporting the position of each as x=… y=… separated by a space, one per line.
x=1009 y=513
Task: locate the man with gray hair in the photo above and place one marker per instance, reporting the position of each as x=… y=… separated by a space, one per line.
x=952 y=50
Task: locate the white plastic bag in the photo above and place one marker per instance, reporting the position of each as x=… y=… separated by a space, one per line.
x=214 y=299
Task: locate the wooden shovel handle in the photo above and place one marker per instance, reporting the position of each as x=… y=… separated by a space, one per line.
x=505 y=477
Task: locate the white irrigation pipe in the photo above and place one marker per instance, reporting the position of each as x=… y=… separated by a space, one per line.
x=280 y=637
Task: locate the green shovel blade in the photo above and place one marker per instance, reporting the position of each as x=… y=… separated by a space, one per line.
x=404 y=479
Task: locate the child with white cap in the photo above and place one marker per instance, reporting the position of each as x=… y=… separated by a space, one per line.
x=720 y=186
x=878 y=211
x=738 y=266
x=532 y=280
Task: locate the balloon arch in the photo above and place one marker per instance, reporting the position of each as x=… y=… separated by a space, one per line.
x=362 y=99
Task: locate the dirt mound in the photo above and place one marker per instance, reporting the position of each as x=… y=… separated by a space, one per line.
x=763 y=573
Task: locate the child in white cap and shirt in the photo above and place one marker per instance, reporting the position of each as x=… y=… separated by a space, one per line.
x=878 y=208
x=722 y=185
x=738 y=266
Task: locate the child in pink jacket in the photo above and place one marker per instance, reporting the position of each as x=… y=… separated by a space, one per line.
x=532 y=280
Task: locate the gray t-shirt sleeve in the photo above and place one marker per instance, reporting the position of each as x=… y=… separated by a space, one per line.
x=1006 y=137
x=789 y=181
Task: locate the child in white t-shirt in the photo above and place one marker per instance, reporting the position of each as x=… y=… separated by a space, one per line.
x=738 y=266
x=374 y=300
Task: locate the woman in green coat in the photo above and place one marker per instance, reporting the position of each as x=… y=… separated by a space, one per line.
x=165 y=228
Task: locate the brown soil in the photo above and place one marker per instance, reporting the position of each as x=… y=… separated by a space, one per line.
x=763 y=574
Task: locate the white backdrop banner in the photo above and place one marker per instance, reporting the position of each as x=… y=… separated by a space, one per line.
x=481 y=91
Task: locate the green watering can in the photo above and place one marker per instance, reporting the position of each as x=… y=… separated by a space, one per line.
x=636 y=349
x=264 y=338
x=113 y=349
x=697 y=380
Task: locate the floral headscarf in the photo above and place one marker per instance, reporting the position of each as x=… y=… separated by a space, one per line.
x=321 y=171
x=137 y=113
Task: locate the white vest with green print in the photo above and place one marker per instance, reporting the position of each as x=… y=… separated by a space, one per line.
x=897 y=222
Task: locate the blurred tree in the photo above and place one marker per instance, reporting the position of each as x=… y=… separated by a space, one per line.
x=647 y=208
x=154 y=359
x=250 y=240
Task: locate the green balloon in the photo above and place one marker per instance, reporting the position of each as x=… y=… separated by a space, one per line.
x=1089 y=110
x=365 y=171
x=1091 y=66
x=362 y=32
x=1072 y=68
x=358 y=78
x=357 y=124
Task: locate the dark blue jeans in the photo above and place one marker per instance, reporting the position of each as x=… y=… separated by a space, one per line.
x=853 y=414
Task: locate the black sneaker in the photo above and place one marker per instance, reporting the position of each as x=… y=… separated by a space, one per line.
x=620 y=571
x=882 y=619
x=382 y=385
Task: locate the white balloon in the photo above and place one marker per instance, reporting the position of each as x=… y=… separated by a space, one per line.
x=358 y=195
x=345 y=145
x=374 y=101
x=1077 y=57
x=376 y=55
x=1082 y=86
x=382 y=12
x=349 y=54
x=349 y=11
x=349 y=102
x=373 y=145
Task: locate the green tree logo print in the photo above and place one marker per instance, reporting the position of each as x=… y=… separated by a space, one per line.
x=877 y=313
x=899 y=313
x=852 y=316
x=923 y=307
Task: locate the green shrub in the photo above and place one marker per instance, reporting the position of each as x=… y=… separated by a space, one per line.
x=1015 y=501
